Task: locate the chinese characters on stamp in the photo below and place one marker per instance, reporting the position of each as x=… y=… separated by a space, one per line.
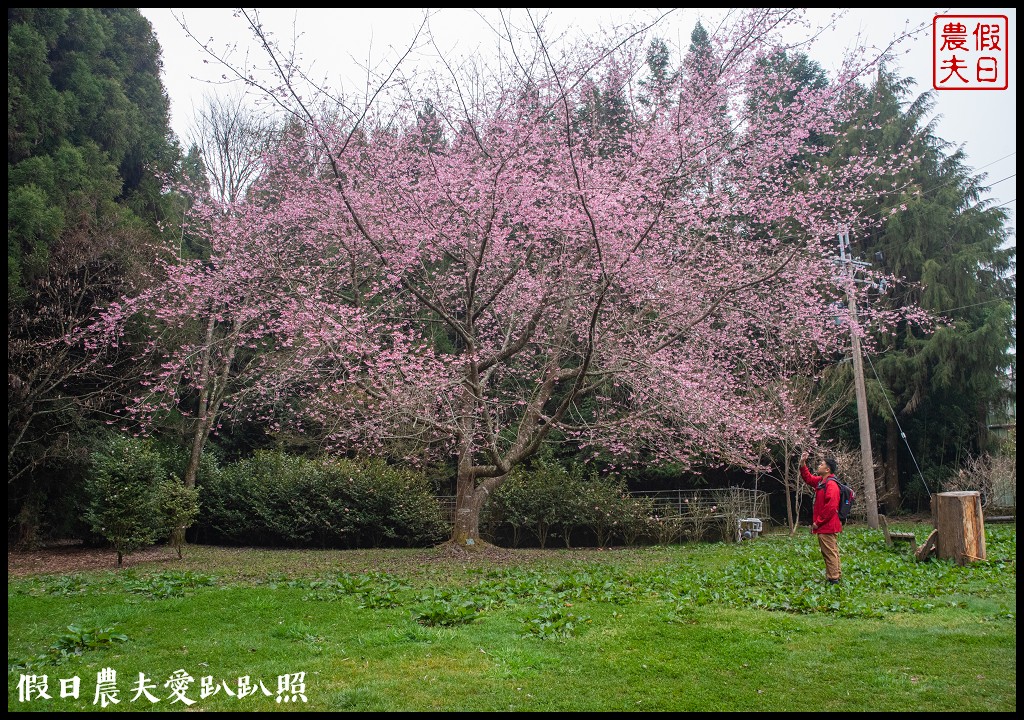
x=970 y=52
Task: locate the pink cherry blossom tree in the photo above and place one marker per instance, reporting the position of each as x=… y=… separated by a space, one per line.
x=492 y=274
x=201 y=325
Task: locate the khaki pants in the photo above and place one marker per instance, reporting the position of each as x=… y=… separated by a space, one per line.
x=830 y=551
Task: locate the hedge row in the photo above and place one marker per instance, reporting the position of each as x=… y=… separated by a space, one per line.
x=275 y=499
x=548 y=502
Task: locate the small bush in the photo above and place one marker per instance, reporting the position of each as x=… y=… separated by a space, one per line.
x=546 y=499
x=554 y=622
x=994 y=477
x=602 y=510
x=121 y=491
x=667 y=528
x=77 y=640
x=178 y=507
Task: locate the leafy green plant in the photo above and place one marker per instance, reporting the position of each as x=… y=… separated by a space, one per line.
x=77 y=640
x=446 y=610
x=374 y=589
x=169 y=584
x=384 y=592
x=554 y=621
x=65 y=585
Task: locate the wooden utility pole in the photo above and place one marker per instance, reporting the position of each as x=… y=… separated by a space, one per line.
x=866 y=459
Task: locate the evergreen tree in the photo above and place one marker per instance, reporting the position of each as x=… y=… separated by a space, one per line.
x=87 y=138
x=951 y=247
x=657 y=86
x=797 y=75
x=702 y=88
x=87 y=126
x=605 y=118
x=430 y=128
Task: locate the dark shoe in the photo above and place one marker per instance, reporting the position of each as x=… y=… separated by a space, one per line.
x=833 y=582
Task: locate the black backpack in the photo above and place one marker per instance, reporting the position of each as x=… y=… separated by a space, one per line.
x=846 y=497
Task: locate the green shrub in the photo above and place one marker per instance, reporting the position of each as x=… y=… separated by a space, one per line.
x=547 y=499
x=637 y=517
x=121 y=494
x=542 y=499
x=273 y=498
x=605 y=507
x=178 y=507
x=508 y=508
x=447 y=609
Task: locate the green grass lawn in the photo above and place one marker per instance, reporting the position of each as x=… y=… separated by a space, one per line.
x=699 y=627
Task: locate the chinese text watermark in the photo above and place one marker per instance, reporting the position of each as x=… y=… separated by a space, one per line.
x=970 y=52
x=178 y=688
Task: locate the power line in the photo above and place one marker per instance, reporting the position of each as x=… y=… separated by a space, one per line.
x=869 y=313
x=896 y=420
x=971 y=175
x=995 y=161
x=1008 y=177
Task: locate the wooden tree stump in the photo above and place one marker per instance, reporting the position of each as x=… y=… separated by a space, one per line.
x=961 y=526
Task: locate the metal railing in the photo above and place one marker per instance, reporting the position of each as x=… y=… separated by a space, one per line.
x=732 y=502
x=725 y=504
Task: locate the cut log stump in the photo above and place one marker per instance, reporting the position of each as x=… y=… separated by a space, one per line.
x=961 y=526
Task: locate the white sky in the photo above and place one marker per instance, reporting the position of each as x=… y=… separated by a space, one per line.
x=984 y=122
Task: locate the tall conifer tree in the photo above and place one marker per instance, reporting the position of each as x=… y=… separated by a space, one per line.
x=951 y=246
x=87 y=134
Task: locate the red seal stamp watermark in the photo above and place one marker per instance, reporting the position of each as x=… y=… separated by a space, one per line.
x=970 y=52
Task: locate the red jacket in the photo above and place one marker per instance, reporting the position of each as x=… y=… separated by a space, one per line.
x=826 y=502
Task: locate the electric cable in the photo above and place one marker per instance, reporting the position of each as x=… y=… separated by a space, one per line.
x=902 y=434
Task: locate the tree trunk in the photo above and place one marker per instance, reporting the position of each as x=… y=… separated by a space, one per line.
x=198 y=442
x=178 y=539
x=891 y=481
x=214 y=386
x=470 y=498
x=28 y=520
x=466 y=525
x=798 y=486
x=961 y=526
x=206 y=380
x=786 y=484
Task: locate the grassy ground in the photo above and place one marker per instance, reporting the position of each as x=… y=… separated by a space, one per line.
x=701 y=627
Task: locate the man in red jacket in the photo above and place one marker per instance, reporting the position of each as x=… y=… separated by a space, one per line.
x=825 y=513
